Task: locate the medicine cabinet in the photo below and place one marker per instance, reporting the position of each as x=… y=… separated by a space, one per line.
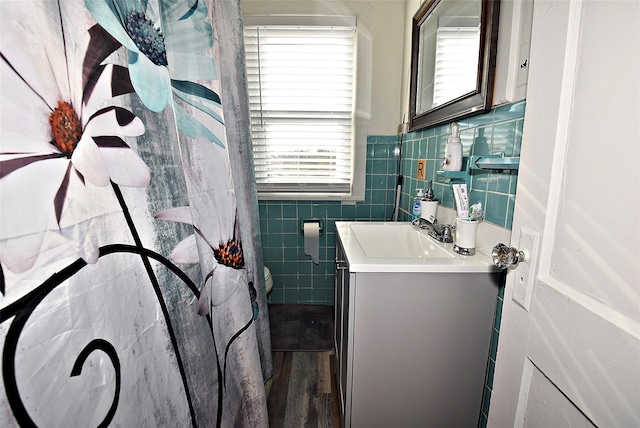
x=453 y=58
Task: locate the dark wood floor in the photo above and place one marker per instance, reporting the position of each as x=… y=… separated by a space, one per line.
x=302 y=391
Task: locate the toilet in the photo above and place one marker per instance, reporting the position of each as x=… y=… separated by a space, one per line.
x=268 y=281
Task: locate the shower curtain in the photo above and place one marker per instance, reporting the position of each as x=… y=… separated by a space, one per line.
x=131 y=284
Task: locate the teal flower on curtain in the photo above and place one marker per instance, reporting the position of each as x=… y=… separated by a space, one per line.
x=167 y=54
x=127 y=22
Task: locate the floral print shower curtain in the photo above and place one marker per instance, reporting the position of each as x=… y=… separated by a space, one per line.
x=131 y=291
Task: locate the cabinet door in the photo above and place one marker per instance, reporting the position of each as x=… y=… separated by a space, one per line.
x=337 y=309
x=344 y=345
x=418 y=348
x=341 y=313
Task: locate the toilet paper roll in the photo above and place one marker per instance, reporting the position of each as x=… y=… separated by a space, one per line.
x=311 y=232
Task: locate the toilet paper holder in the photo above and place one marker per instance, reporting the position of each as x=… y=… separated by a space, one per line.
x=311 y=220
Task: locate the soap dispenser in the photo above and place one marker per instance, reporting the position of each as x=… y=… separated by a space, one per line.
x=416 y=205
x=429 y=204
x=453 y=152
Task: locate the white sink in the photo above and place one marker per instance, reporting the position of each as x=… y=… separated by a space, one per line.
x=397 y=240
x=400 y=247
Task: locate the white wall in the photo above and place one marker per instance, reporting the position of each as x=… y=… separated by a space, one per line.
x=385 y=21
x=389 y=23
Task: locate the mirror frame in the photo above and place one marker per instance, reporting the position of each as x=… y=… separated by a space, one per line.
x=476 y=102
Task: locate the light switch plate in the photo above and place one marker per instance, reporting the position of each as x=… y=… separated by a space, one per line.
x=525 y=271
x=523 y=69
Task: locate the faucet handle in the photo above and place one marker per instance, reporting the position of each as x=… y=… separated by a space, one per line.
x=447 y=230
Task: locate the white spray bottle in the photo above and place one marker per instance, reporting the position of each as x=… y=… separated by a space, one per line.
x=453 y=152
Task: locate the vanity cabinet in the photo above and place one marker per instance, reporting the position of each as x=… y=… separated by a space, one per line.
x=411 y=347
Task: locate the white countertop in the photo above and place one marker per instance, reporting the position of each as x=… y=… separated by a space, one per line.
x=453 y=262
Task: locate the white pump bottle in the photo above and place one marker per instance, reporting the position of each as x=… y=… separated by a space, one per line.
x=453 y=152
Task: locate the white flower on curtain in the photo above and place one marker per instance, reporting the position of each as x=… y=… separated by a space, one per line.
x=228 y=255
x=58 y=132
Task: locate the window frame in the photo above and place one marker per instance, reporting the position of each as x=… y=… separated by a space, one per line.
x=361 y=106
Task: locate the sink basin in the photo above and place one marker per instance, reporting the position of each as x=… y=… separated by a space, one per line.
x=395 y=241
x=382 y=246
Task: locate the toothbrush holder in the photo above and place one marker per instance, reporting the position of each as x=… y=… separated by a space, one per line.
x=466 y=231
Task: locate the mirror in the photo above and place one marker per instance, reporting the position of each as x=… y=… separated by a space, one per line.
x=453 y=56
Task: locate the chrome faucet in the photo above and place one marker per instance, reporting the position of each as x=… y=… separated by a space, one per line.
x=441 y=233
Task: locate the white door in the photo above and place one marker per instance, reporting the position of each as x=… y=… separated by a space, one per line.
x=569 y=346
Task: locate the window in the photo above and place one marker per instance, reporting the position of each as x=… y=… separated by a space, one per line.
x=457 y=47
x=301 y=95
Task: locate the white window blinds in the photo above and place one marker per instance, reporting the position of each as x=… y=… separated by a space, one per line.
x=457 y=47
x=300 y=81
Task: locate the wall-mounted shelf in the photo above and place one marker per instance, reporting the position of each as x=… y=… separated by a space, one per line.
x=454 y=176
x=484 y=162
x=493 y=162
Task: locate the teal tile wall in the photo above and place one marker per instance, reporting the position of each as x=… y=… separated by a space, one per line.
x=298 y=280
x=498 y=131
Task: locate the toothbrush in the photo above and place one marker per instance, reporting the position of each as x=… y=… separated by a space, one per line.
x=475 y=211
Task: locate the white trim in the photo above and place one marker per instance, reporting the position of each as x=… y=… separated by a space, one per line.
x=523 y=394
x=556 y=180
x=304 y=20
x=362 y=100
